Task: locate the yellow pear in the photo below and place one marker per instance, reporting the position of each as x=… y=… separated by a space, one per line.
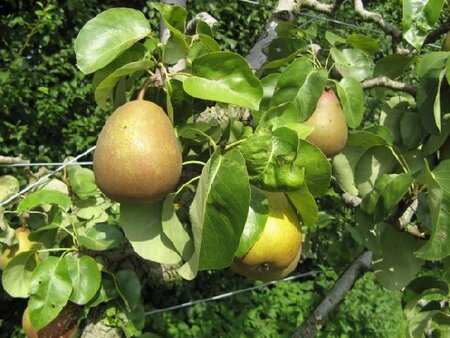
x=137 y=158
x=330 y=127
x=30 y=330
x=23 y=245
x=277 y=251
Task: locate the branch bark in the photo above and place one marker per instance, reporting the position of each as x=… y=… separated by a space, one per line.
x=317 y=6
x=12 y=160
x=384 y=81
x=315 y=321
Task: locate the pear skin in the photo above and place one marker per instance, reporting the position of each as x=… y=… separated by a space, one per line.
x=30 y=330
x=137 y=158
x=277 y=251
x=23 y=245
x=330 y=127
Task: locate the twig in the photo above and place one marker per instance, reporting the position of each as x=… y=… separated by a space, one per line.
x=438 y=32
x=202 y=16
x=379 y=20
x=384 y=81
x=343 y=285
x=12 y=160
x=283 y=12
x=317 y=6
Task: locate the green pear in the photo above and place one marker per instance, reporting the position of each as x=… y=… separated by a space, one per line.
x=137 y=158
x=330 y=127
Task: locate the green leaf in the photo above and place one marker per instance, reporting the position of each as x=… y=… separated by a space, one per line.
x=82 y=182
x=393 y=65
x=174 y=230
x=107 y=290
x=395 y=265
x=85 y=276
x=283 y=47
x=108 y=35
x=9 y=186
x=302 y=85
x=175 y=49
x=389 y=190
x=431 y=61
x=279 y=116
x=218 y=213
x=105 y=79
x=174 y=17
x=317 y=168
x=42 y=197
x=129 y=288
x=438 y=187
x=334 y=39
x=419 y=17
x=411 y=130
x=142 y=225
x=364 y=43
x=271 y=160
x=351 y=97
x=375 y=162
x=305 y=204
x=224 y=77
x=102 y=236
x=50 y=289
x=420 y=287
x=268 y=83
x=352 y=63
x=17 y=274
x=369 y=231
x=256 y=220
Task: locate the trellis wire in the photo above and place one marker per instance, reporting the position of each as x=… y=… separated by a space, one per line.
x=46 y=177
x=231 y=293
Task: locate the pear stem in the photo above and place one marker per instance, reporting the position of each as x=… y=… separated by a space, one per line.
x=141 y=93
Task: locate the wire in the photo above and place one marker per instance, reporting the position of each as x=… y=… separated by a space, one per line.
x=45 y=177
x=45 y=164
x=231 y=293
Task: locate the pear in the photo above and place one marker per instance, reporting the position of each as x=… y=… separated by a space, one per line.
x=330 y=127
x=137 y=158
x=30 y=330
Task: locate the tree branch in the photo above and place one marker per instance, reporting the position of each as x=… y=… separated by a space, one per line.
x=378 y=19
x=438 y=32
x=12 y=160
x=202 y=16
x=317 y=6
x=384 y=81
x=283 y=12
x=315 y=321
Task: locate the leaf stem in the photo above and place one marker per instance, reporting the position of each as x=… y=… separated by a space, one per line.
x=234 y=144
x=186 y=184
x=194 y=162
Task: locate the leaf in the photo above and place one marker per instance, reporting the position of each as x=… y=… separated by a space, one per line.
x=82 y=182
x=268 y=83
x=9 y=186
x=431 y=61
x=175 y=49
x=258 y=213
x=395 y=265
x=302 y=85
x=17 y=274
x=317 y=168
x=102 y=236
x=218 y=213
x=420 y=287
x=389 y=190
x=108 y=35
x=105 y=79
x=283 y=47
x=284 y=115
x=107 y=290
x=352 y=63
x=375 y=162
x=369 y=231
x=419 y=17
x=271 y=160
x=129 y=288
x=351 y=97
x=85 y=276
x=393 y=65
x=174 y=230
x=305 y=205
x=411 y=130
x=132 y=322
x=438 y=187
x=50 y=289
x=224 y=77
x=174 y=16
x=364 y=43
x=42 y=197
x=143 y=228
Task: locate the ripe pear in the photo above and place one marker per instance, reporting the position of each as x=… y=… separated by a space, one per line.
x=30 y=330
x=23 y=245
x=277 y=251
x=330 y=127
x=137 y=158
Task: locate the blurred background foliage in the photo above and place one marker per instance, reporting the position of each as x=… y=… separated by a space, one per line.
x=48 y=112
